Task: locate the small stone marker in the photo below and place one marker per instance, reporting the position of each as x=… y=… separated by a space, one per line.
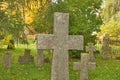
x=7 y=60
x=91 y=49
x=40 y=58
x=84 y=66
x=105 y=47
x=118 y=58
x=27 y=58
x=60 y=42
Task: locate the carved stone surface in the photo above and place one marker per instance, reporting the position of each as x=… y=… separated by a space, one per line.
x=105 y=47
x=91 y=49
x=84 y=66
x=26 y=58
x=7 y=60
x=60 y=42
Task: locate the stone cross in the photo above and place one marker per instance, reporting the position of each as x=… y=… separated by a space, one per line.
x=84 y=66
x=90 y=49
x=60 y=42
x=40 y=58
x=7 y=60
x=105 y=47
x=26 y=58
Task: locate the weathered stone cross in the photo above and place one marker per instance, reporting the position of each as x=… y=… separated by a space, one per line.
x=90 y=49
x=106 y=47
x=7 y=60
x=84 y=66
x=26 y=58
x=61 y=42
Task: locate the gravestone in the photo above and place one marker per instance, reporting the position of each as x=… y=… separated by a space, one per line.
x=26 y=58
x=60 y=42
x=91 y=49
x=118 y=58
x=7 y=60
x=84 y=66
x=105 y=47
x=40 y=58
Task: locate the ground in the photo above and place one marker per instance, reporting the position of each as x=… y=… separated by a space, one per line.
x=106 y=69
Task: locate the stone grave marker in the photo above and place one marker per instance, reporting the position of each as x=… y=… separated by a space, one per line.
x=40 y=58
x=60 y=42
x=105 y=47
x=7 y=60
x=91 y=49
x=118 y=58
x=84 y=66
x=26 y=58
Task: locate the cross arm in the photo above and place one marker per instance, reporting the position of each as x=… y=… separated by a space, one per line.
x=78 y=65
x=45 y=41
x=75 y=42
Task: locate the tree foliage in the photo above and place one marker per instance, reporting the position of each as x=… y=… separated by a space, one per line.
x=84 y=18
x=11 y=20
x=112 y=7
x=112 y=28
x=17 y=14
x=111 y=18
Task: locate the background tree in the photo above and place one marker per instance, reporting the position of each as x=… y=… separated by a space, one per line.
x=39 y=14
x=112 y=28
x=84 y=17
x=17 y=14
x=112 y=7
x=11 y=20
x=111 y=18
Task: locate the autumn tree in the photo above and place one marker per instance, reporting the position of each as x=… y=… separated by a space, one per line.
x=112 y=7
x=111 y=18
x=17 y=14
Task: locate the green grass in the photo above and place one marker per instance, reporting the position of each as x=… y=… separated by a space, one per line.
x=106 y=69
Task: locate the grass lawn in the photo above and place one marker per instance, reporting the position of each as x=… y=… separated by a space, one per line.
x=106 y=69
